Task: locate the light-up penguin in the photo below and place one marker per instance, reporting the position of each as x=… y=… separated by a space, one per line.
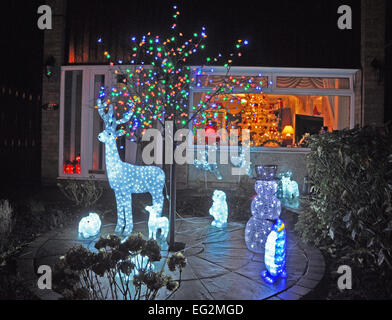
x=155 y=223
x=219 y=209
x=90 y=226
x=125 y=178
x=275 y=253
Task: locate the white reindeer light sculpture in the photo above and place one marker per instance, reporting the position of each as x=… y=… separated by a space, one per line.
x=155 y=223
x=125 y=178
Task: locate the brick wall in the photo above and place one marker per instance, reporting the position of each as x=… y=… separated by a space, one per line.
x=53 y=46
x=372 y=47
x=358 y=98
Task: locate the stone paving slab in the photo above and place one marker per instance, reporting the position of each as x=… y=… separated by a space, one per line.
x=220 y=267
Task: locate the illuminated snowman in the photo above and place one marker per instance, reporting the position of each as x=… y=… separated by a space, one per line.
x=275 y=253
x=90 y=226
x=265 y=208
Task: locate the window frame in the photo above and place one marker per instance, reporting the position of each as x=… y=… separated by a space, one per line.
x=89 y=72
x=88 y=75
x=274 y=73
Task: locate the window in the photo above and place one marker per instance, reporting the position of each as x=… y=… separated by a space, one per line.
x=97 y=160
x=313 y=83
x=271 y=118
x=294 y=102
x=72 y=122
x=80 y=152
x=316 y=99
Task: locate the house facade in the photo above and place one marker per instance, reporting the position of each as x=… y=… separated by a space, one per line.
x=337 y=90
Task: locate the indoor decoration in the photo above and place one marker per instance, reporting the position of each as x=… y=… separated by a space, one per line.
x=72 y=167
x=155 y=223
x=265 y=208
x=288 y=135
x=262 y=119
x=90 y=226
x=253 y=112
x=125 y=178
x=275 y=253
x=219 y=209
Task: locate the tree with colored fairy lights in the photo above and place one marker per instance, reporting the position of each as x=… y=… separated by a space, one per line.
x=155 y=84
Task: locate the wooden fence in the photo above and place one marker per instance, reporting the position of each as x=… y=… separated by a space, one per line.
x=20 y=136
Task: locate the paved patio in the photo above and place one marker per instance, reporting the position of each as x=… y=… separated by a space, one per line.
x=220 y=267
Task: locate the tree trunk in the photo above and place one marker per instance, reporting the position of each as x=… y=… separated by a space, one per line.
x=173 y=245
x=173 y=204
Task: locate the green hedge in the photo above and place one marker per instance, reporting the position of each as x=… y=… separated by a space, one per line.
x=349 y=213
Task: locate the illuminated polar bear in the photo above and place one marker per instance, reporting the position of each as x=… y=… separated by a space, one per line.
x=90 y=226
x=219 y=209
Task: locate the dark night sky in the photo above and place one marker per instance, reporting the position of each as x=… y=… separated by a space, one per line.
x=21 y=45
x=281 y=32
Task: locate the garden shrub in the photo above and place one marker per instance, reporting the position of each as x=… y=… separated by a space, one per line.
x=120 y=270
x=82 y=193
x=349 y=213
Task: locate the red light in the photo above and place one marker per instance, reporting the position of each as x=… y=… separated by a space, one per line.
x=68 y=168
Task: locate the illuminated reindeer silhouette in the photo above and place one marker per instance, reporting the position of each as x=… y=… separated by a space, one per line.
x=125 y=178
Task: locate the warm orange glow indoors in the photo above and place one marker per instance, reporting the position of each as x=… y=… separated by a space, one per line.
x=288 y=131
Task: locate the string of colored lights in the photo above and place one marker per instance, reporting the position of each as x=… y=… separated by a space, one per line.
x=157 y=85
